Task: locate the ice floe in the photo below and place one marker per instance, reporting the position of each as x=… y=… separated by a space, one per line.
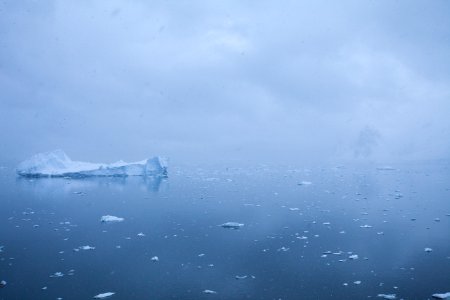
x=387 y=296
x=104 y=295
x=441 y=296
x=109 y=218
x=87 y=247
x=232 y=225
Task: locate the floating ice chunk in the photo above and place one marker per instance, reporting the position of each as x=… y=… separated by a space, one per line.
x=441 y=296
x=354 y=256
x=240 y=277
x=357 y=282
x=104 y=295
x=387 y=296
x=305 y=183
x=366 y=226
x=141 y=234
x=385 y=168
x=209 y=292
x=57 y=274
x=58 y=164
x=154 y=258
x=284 y=249
x=87 y=247
x=428 y=250
x=2 y=283
x=109 y=218
x=232 y=225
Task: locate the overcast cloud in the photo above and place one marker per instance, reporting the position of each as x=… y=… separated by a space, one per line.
x=255 y=81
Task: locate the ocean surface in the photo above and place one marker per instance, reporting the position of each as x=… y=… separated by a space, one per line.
x=345 y=232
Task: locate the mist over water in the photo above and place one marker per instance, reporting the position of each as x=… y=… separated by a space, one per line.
x=233 y=81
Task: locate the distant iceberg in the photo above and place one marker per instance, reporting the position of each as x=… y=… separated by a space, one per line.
x=58 y=164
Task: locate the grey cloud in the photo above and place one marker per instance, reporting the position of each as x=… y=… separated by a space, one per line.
x=201 y=80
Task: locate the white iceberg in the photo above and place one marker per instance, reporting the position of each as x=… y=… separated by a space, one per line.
x=58 y=164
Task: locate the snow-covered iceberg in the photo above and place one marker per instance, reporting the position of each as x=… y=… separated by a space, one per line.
x=58 y=164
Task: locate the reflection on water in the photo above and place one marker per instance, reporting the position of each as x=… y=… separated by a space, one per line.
x=324 y=233
x=45 y=185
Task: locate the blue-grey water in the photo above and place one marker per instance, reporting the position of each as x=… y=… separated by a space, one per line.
x=301 y=226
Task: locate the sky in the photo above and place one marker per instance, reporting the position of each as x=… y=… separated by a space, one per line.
x=225 y=81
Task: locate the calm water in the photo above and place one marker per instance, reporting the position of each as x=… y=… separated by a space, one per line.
x=295 y=244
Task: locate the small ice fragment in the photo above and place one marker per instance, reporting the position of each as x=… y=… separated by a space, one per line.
x=57 y=274
x=385 y=168
x=428 y=250
x=232 y=225
x=305 y=183
x=87 y=247
x=154 y=258
x=141 y=234
x=357 y=282
x=209 y=292
x=387 y=296
x=2 y=283
x=109 y=218
x=354 y=256
x=201 y=255
x=366 y=226
x=284 y=249
x=441 y=296
x=294 y=208
x=44 y=288
x=326 y=223
x=104 y=295
x=241 y=277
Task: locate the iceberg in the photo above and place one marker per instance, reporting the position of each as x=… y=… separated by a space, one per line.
x=58 y=164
